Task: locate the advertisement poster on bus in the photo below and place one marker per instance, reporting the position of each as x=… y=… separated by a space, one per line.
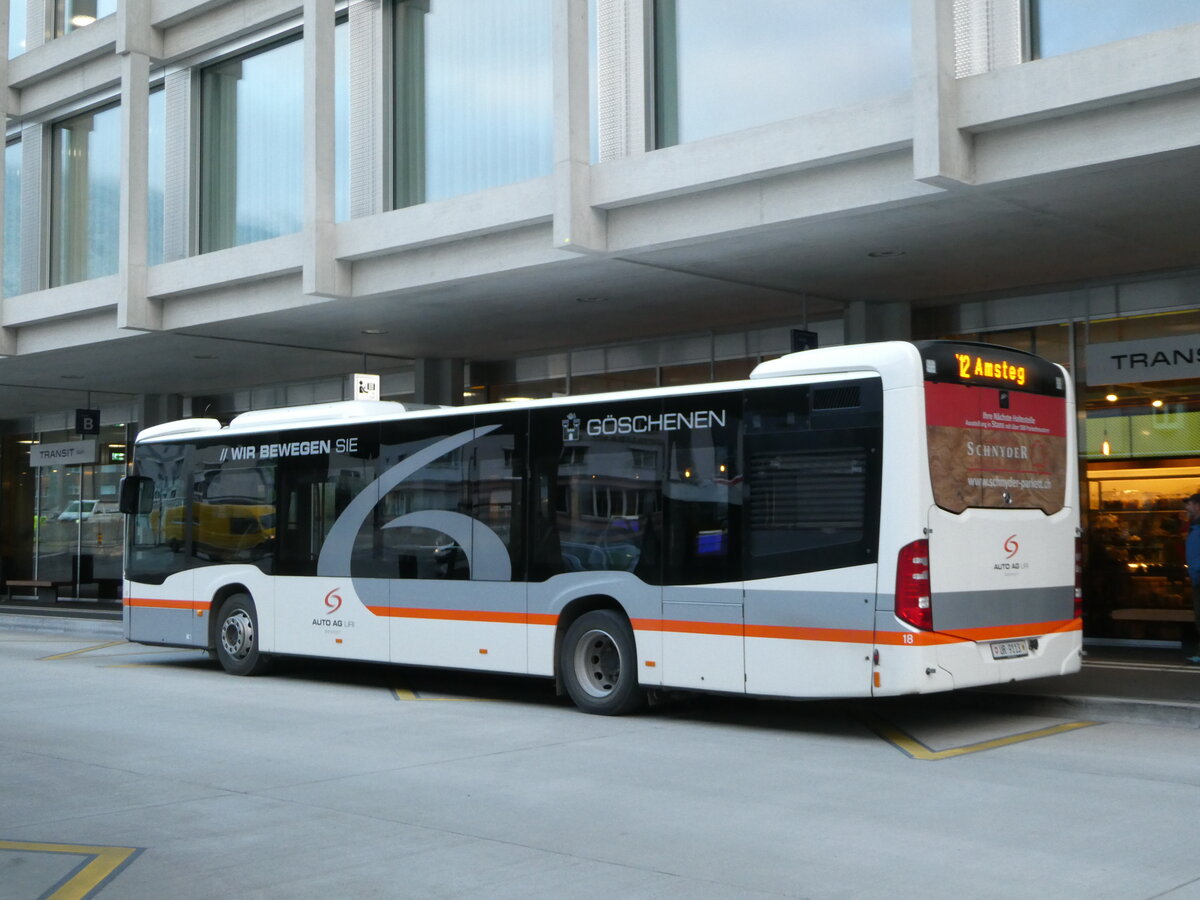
x=995 y=448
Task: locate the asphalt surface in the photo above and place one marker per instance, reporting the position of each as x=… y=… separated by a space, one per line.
x=1125 y=684
x=143 y=772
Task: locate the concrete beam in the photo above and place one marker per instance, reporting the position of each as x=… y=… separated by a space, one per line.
x=324 y=274
x=134 y=309
x=942 y=153
x=578 y=225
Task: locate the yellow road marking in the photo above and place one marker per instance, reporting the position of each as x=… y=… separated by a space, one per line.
x=917 y=750
x=84 y=650
x=104 y=864
x=402 y=693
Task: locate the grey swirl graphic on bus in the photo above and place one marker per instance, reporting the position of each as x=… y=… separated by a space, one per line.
x=486 y=554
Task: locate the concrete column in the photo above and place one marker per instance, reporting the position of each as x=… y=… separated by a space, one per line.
x=942 y=154
x=370 y=110
x=867 y=322
x=8 y=336
x=622 y=33
x=324 y=275
x=578 y=225
x=35 y=156
x=438 y=381
x=154 y=409
x=134 y=309
x=180 y=178
x=137 y=42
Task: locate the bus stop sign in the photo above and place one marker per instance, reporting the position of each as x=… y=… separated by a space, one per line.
x=87 y=421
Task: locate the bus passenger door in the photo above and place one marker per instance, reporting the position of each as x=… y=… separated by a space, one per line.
x=703 y=642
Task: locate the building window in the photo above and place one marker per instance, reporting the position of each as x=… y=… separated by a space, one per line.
x=157 y=177
x=722 y=67
x=86 y=196
x=473 y=96
x=251 y=147
x=1062 y=26
x=12 y=218
x=16 y=28
x=72 y=14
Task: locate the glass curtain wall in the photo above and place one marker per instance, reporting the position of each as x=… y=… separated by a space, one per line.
x=12 y=218
x=86 y=196
x=473 y=96
x=16 y=28
x=78 y=529
x=252 y=144
x=722 y=67
x=1062 y=26
x=157 y=177
x=72 y=14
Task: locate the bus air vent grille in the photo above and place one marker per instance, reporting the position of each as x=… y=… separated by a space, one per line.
x=845 y=397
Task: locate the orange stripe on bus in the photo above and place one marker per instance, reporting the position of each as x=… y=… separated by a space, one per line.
x=156 y=603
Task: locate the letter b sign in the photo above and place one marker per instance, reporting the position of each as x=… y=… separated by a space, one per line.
x=87 y=421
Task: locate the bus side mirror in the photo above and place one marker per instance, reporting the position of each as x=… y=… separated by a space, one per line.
x=137 y=495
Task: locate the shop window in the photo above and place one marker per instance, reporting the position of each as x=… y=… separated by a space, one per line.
x=722 y=67
x=1136 y=581
x=86 y=196
x=1062 y=26
x=473 y=96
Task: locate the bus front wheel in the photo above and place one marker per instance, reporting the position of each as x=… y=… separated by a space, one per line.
x=237 y=637
x=598 y=663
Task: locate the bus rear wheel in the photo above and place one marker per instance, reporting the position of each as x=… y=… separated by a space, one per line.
x=598 y=664
x=237 y=637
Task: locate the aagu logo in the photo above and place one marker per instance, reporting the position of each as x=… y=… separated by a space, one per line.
x=333 y=600
x=1011 y=547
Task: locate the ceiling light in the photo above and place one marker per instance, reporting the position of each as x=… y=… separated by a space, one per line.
x=374 y=331
x=886 y=254
x=1111 y=398
x=1157 y=404
x=82 y=20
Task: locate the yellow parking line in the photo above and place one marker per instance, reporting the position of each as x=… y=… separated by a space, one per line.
x=83 y=650
x=402 y=693
x=104 y=864
x=917 y=750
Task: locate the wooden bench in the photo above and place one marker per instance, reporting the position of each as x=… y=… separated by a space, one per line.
x=44 y=590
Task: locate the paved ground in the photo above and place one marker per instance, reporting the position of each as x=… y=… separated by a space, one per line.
x=134 y=772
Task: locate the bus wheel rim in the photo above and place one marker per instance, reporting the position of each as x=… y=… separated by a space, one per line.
x=237 y=635
x=597 y=663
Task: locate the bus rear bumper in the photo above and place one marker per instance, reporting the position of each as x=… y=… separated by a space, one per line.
x=964 y=664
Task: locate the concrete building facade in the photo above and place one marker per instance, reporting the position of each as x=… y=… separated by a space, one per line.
x=214 y=206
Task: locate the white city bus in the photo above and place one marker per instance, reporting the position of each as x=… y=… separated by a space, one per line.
x=865 y=520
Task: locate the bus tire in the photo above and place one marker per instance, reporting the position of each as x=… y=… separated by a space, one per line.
x=598 y=663
x=237 y=637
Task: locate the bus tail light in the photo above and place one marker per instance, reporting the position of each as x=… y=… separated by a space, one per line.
x=914 y=603
x=1078 y=578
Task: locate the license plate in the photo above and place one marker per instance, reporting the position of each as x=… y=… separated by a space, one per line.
x=1010 y=649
